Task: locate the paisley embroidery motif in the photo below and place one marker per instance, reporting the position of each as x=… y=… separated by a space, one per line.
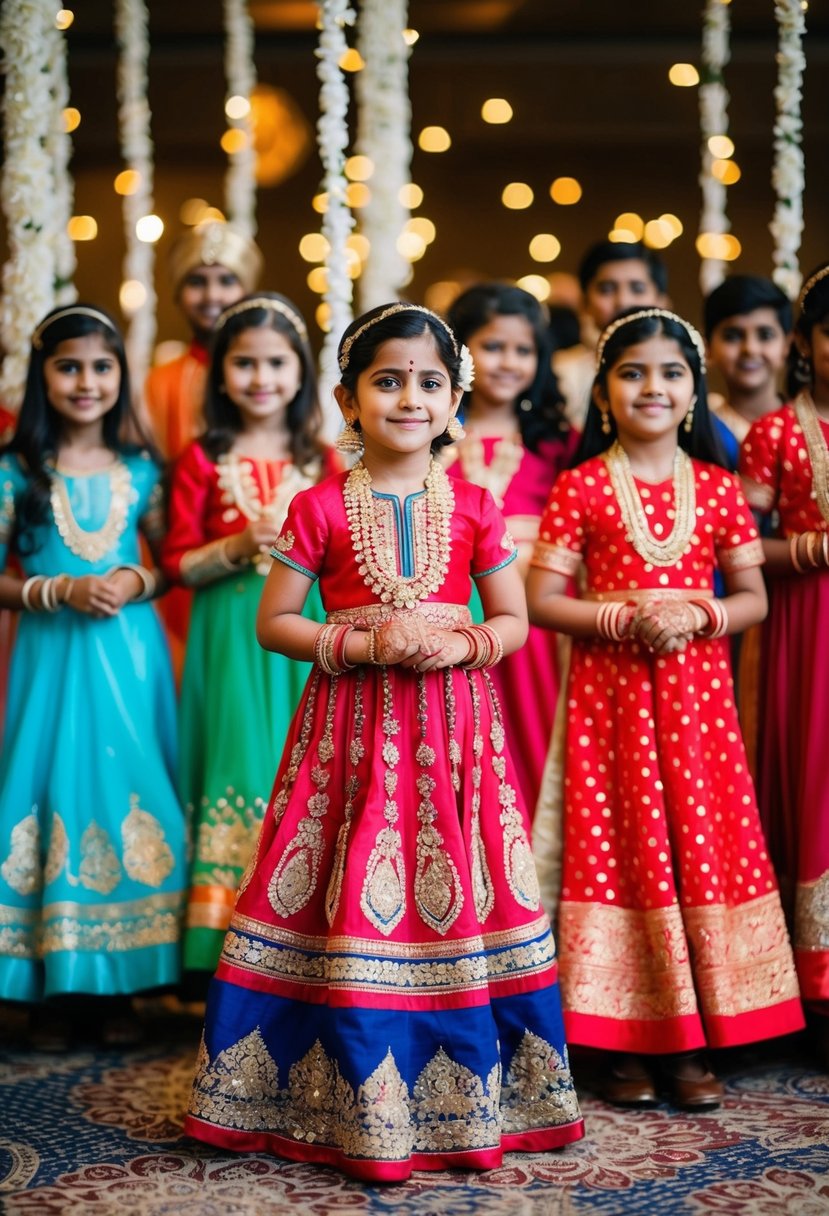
x=383 y=898
x=519 y=865
x=538 y=1090
x=148 y=858
x=58 y=852
x=21 y=869
x=483 y=888
x=356 y=752
x=100 y=869
x=437 y=883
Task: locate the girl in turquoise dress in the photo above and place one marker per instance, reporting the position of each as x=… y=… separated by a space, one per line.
x=92 y=845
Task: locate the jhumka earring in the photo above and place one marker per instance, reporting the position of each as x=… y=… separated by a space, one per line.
x=606 y=428
x=689 y=420
x=454 y=429
x=803 y=369
x=349 y=438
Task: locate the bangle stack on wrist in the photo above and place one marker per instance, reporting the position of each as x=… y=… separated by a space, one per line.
x=613 y=620
x=371 y=653
x=485 y=646
x=148 y=578
x=54 y=592
x=716 y=618
x=329 y=649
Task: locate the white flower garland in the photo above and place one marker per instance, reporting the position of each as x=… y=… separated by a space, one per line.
x=240 y=74
x=26 y=193
x=337 y=222
x=713 y=112
x=59 y=151
x=788 y=171
x=384 y=136
x=131 y=27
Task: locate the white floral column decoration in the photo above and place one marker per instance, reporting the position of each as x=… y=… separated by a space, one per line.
x=384 y=136
x=26 y=190
x=138 y=294
x=713 y=109
x=789 y=165
x=240 y=75
x=337 y=222
x=59 y=151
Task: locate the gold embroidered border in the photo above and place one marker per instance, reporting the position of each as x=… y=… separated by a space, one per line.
x=758 y=495
x=640 y=595
x=556 y=558
x=368 y=616
x=812 y=914
x=741 y=558
x=208 y=563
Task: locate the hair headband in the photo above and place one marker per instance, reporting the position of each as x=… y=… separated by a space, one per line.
x=345 y=350
x=266 y=302
x=811 y=282
x=608 y=333
x=74 y=310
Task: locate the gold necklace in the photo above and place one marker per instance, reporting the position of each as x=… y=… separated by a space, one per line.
x=658 y=552
x=92 y=546
x=496 y=476
x=807 y=416
x=375 y=548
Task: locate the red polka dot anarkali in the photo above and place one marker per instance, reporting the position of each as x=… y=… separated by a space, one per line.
x=671 y=932
x=793 y=788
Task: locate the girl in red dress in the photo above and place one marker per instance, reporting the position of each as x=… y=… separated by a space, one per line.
x=671 y=932
x=785 y=467
x=516 y=443
x=387 y=996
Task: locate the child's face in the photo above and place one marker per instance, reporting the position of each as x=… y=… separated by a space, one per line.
x=204 y=293
x=749 y=350
x=649 y=389
x=261 y=373
x=82 y=377
x=617 y=286
x=403 y=399
x=505 y=358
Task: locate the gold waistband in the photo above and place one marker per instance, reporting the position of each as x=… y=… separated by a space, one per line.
x=369 y=616
x=639 y=595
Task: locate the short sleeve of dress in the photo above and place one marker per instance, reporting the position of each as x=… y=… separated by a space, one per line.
x=759 y=464
x=303 y=538
x=736 y=539
x=9 y=477
x=494 y=546
x=561 y=534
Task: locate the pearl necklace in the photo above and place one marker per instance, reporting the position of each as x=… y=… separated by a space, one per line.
x=665 y=552
x=378 y=559
x=91 y=546
x=807 y=416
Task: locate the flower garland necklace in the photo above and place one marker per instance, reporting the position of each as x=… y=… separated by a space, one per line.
x=92 y=545
x=496 y=476
x=376 y=556
x=788 y=170
x=713 y=113
x=665 y=552
x=807 y=416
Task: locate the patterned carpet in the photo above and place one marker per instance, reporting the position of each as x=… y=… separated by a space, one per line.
x=97 y=1133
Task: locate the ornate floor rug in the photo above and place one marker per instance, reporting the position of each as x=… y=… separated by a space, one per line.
x=97 y=1133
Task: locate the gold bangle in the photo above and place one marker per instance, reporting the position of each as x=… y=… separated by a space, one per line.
x=371 y=651
x=793 y=554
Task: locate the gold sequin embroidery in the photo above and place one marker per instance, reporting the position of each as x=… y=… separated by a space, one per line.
x=21 y=869
x=147 y=857
x=812 y=914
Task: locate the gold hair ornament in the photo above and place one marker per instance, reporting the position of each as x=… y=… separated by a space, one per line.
x=811 y=282
x=264 y=302
x=389 y=312
x=666 y=314
x=74 y=310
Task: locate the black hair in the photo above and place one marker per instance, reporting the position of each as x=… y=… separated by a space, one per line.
x=303 y=414
x=408 y=321
x=814 y=310
x=539 y=409
x=622 y=251
x=39 y=425
x=702 y=442
x=741 y=294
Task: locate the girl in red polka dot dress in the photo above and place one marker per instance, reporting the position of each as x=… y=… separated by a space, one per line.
x=671 y=932
x=785 y=467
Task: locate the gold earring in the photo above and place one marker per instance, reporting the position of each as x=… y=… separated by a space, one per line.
x=454 y=429
x=689 y=420
x=606 y=428
x=349 y=438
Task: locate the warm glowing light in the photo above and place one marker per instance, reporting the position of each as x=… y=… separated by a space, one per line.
x=149 y=228
x=722 y=246
x=434 y=139
x=314 y=247
x=726 y=171
x=359 y=168
x=191 y=211
x=237 y=106
x=673 y=222
x=317 y=279
x=536 y=285
x=658 y=234
x=622 y=236
x=320 y=202
x=517 y=196
x=352 y=60
x=410 y=196
x=213 y=213
x=360 y=244
x=410 y=36
x=565 y=191
x=684 y=75
x=322 y=316
x=127 y=181
x=132 y=296
x=82 y=228
x=630 y=222
x=71 y=119
x=411 y=246
x=441 y=295
x=423 y=228
x=721 y=146
x=234 y=140
x=357 y=195
x=496 y=110
x=353 y=265
x=544 y=247
x=64 y=18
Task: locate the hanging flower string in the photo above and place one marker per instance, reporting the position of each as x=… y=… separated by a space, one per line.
x=337 y=222
x=59 y=151
x=240 y=75
x=138 y=293
x=789 y=167
x=26 y=193
x=384 y=136
x=713 y=112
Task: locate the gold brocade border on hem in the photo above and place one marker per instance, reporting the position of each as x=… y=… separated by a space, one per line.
x=106 y=928
x=742 y=557
x=641 y=965
x=640 y=595
x=446 y=616
x=557 y=558
x=812 y=914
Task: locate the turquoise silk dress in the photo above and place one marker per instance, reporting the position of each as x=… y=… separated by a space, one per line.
x=92 y=836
